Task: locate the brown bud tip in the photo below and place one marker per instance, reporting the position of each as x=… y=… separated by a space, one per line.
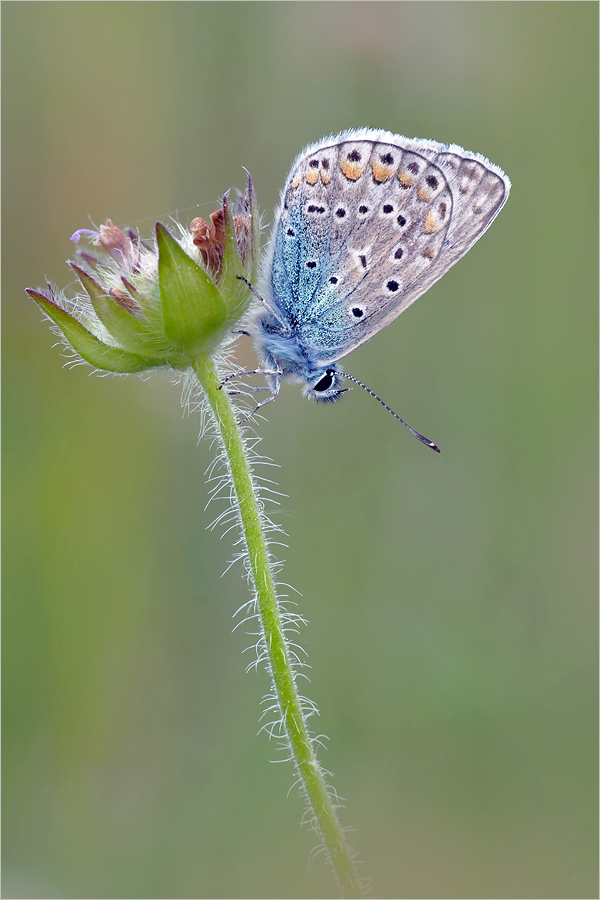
x=210 y=240
x=118 y=244
x=125 y=301
x=112 y=238
x=243 y=234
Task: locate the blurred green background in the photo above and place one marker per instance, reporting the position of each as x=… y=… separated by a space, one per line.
x=452 y=599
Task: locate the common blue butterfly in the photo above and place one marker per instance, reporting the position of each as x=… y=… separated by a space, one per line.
x=368 y=221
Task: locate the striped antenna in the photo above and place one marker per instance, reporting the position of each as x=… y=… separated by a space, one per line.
x=420 y=437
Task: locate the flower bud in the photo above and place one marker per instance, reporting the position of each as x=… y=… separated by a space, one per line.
x=145 y=306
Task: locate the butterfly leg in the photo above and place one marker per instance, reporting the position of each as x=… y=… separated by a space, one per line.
x=275 y=372
x=248 y=391
x=273 y=396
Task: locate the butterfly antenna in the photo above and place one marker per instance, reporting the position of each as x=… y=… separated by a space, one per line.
x=264 y=302
x=420 y=437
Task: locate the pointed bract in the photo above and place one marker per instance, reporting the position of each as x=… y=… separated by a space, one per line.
x=253 y=261
x=233 y=291
x=193 y=310
x=91 y=348
x=129 y=331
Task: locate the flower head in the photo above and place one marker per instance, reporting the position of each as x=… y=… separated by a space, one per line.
x=165 y=303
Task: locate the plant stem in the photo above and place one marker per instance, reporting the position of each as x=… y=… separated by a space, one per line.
x=304 y=756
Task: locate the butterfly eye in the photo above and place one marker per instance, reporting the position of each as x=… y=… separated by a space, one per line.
x=324 y=383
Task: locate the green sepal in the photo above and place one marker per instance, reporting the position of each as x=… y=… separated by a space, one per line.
x=130 y=332
x=233 y=291
x=194 y=313
x=88 y=345
x=254 y=262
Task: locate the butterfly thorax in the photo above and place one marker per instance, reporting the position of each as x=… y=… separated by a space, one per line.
x=283 y=351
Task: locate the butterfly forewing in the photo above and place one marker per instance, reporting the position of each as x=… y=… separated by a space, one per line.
x=367 y=225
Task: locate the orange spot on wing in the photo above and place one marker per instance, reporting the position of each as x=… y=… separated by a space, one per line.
x=381 y=172
x=430 y=226
x=429 y=253
x=405 y=179
x=423 y=195
x=311 y=177
x=295 y=182
x=351 y=170
x=325 y=178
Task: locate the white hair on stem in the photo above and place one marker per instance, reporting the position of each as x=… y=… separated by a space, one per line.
x=247 y=615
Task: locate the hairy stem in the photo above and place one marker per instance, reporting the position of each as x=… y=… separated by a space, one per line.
x=307 y=765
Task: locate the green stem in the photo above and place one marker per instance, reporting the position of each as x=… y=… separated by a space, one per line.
x=305 y=759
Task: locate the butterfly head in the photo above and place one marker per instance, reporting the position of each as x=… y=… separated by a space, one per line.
x=324 y=385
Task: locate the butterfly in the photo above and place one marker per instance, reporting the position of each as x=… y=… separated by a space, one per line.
x=368 y=221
